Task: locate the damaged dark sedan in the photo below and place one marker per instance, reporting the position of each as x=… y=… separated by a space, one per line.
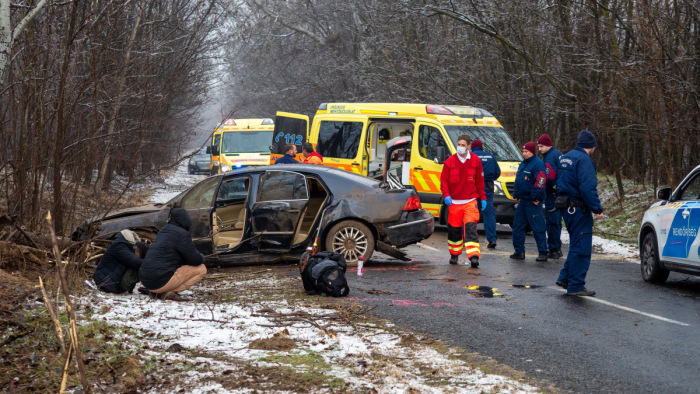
x=268 y=214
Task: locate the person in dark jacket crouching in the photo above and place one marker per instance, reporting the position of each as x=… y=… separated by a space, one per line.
x=117 y=270
x=173 y=263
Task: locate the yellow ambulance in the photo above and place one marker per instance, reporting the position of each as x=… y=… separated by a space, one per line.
x=213 y=150
x=353 y=136
x=241 y=143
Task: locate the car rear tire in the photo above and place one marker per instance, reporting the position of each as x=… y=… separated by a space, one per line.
x=652 y=271
x=351 y=239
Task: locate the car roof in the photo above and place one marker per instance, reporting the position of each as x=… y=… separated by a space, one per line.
x=323 y=171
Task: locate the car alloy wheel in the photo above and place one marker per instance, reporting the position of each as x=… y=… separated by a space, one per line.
x=651 y=268
x=352 y=239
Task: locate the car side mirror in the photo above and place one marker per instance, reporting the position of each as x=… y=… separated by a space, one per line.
x=440 y=155
x=664 y=194
x=209 y=150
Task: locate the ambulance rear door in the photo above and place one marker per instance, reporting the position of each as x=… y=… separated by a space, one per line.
x=426 y=163
x=290 y=128
x=342 y=141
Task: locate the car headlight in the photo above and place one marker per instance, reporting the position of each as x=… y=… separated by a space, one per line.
x=498 y=189
x=225 y=168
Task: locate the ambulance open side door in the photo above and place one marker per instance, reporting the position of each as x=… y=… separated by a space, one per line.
x=290 y=128
x=341 y=140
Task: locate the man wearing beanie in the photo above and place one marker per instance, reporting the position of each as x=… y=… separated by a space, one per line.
x=552 y=216
x=491 y=172
x=462 y=186
x=577 y=185
x=530 y=182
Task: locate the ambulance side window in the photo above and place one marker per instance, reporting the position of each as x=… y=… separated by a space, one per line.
x=429 y=138
x=691 y=191
x=340 y=140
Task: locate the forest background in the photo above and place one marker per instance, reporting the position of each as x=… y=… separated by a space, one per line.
x=94 y=89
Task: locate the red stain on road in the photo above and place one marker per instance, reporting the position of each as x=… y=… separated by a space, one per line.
x=402 y=302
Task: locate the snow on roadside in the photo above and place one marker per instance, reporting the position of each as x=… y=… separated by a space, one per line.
x=365 y=356
x=628 y=253
x=174 y=184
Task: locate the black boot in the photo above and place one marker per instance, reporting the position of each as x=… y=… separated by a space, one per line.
x=542 y=257
x=517 y=256
x=492 y=245
x=555 y=254
x=474 y=261
x=454 y=259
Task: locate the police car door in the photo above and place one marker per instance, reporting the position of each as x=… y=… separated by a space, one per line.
x=281 y=200
x=289 y=129
x=682 y=243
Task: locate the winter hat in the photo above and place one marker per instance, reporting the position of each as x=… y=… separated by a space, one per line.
x=130 y=236
x=544 y=140
x=586 y=139
x=477 y=144
x=531 y=147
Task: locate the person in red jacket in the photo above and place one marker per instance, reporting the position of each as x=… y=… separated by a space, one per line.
x=310 y=157
x=462 y=186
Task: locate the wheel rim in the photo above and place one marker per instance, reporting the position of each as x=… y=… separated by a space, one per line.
x=350 y=242
x=647 y=257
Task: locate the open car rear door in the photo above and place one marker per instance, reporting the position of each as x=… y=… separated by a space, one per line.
x=281 y=200
x=289 y=129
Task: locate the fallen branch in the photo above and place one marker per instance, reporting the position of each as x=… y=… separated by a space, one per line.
x=54 y=319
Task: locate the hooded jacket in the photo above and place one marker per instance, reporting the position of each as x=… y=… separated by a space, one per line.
x=172 y=248
x=117 y=259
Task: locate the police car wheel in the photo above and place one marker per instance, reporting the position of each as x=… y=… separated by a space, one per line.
x=652 y=271
x=352 y=239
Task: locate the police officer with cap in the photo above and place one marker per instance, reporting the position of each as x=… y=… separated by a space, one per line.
x=578 y=196
x=491 y=172
x=551 y=157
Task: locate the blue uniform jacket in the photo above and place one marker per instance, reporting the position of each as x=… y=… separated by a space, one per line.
x=286 y=159
x=491 y=169
x=551 y=167
x=530 y=180
x=577 y=179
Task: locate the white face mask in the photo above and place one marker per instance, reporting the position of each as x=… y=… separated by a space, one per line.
x=461 y=150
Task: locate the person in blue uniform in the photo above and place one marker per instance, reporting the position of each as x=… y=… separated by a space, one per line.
x=577 y=186
x=552 y=216
x=290 y=151
x=530 y=182
x=491 y=172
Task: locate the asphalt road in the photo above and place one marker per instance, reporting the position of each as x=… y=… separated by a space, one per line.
x=631 y=337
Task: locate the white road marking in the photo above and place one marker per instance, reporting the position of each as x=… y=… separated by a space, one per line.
x=624 y=308
x=427 y=247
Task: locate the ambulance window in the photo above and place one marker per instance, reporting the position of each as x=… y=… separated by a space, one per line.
x=339 y=139
x=429 y=138
x=691 y=191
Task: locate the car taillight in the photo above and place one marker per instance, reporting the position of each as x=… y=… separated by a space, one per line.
x=412 y=204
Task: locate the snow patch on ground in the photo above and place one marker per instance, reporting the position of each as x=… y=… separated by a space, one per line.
x=628 y=253
x=366 y=356
x=174 y=184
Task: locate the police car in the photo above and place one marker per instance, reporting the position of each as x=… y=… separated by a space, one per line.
x=668 y=238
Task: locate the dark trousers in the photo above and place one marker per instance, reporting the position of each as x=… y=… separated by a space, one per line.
x=553 y=218
x=580 y=227
x=490 y=217
x=529 y=213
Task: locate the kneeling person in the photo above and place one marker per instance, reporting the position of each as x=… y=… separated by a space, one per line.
x=117 y=270
x=173 y=263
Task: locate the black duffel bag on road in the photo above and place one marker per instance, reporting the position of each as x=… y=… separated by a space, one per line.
x=324 y=273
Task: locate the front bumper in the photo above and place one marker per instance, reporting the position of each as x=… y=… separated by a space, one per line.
x=505 y=209
x=413 y=227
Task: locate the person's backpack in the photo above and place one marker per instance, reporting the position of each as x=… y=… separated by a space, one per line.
x=324 y=273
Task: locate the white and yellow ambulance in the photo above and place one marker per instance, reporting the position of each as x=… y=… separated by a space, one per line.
x=353 y=136
x=241 y=143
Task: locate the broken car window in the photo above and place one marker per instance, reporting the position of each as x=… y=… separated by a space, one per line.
x=233 y=190
x=282 y=185
x=201 y=195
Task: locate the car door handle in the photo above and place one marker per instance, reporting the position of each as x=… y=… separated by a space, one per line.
x=294 y=211
x=418 y=168
x=356 y=164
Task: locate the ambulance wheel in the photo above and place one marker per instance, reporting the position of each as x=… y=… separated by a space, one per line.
x=652 y=271
x=352 y=239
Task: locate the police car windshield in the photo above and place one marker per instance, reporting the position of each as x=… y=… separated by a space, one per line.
x=495 y=140
x=246 y=141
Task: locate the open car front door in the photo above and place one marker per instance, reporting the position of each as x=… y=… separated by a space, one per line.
x=289 y=129
x=281 y=200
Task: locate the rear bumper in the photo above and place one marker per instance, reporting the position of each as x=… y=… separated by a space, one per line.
x=413 y=227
